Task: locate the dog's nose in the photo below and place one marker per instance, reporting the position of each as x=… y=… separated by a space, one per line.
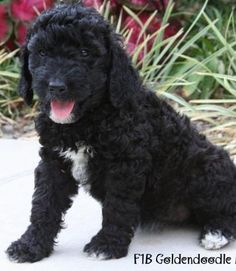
x=57 y=87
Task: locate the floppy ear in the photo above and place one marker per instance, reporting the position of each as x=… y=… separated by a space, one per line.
x=25 y=83
x=124 y=79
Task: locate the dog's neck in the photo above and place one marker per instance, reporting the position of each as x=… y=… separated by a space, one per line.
x=85 y=129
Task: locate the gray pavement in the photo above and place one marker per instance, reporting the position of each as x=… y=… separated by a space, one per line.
x=18 y=158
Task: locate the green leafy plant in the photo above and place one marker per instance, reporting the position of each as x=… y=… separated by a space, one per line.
x=194 y=69
x=9 y=74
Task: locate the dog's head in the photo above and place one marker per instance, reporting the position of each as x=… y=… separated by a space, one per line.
x=72 y=59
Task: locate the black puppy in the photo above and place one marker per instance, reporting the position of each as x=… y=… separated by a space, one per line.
x=101 y=128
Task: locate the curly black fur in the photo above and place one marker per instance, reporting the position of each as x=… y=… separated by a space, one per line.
x=148 y=164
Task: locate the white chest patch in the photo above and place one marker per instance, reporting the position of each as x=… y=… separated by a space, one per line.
x=214 y=240
x=79 y=161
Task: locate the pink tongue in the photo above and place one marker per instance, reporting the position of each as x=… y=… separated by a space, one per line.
x=62 y=110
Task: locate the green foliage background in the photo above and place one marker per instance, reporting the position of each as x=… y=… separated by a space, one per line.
x=195 y=69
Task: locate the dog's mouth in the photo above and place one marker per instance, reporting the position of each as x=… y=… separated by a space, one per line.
x=61 y=111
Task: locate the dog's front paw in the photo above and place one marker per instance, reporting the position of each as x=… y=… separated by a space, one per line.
x=22 y=252
x=104 y=247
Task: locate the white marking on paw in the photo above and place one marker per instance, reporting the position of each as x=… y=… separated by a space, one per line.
x=100 y=256
x=214 y=240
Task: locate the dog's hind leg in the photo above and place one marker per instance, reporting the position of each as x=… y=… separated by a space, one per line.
x=51 y=199
x=217 y=217
x=212 y=197
x=213 y=239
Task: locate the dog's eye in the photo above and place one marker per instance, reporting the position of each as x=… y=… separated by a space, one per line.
x=42 y=53
x=84 y=52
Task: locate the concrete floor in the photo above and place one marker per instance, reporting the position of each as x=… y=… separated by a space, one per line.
x=18 y=158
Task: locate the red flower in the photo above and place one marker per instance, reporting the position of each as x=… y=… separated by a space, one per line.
x=20 y=33
x=136 y=38
x=173 y=27
x=10 y=44
x=93 y=3
x=160 y=4
x=145 y=4
x=26 y=10
x=5 y=26
x=114 y=5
